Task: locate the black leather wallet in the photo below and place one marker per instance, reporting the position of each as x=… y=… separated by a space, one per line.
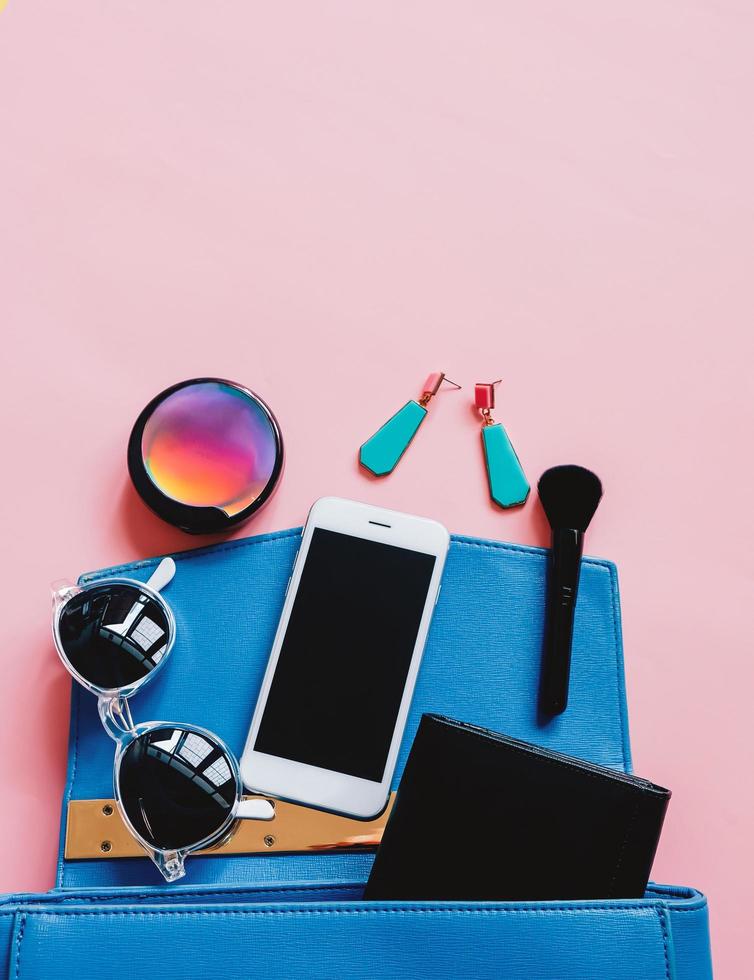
x=483 y=817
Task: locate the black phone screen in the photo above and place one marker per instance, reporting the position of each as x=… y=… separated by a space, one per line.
x=342 y=668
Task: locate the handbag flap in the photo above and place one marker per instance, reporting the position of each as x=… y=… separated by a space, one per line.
x=481 y=665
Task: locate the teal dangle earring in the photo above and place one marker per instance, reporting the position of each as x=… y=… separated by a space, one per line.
x=508 y=484
x=380 y=454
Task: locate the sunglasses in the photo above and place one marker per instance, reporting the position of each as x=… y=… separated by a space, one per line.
x=177 y=787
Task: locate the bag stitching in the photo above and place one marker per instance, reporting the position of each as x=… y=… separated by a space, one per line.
x=190 y=555
x=699 y=910
x=530 y=551
x=390 y=910
x=664 y=931
x=254 y=892
x=19 y=939
x=669 y=897
x=74 y=768
x=619 y=682
x=71 y=900
x=240 y=892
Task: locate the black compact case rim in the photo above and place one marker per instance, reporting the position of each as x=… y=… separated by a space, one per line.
x=197 y=520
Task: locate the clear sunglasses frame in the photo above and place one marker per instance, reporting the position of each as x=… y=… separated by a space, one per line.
x=115 y=714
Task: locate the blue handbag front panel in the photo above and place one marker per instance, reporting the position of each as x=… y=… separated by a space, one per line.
x=481 y=665
x=316 y=931
x=344 y=940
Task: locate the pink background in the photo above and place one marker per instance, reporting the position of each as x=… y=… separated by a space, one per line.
x=327 y=201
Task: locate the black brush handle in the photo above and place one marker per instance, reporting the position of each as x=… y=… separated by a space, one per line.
x=562 y=589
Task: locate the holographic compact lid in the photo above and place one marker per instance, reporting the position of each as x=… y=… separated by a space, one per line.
x=205 y=455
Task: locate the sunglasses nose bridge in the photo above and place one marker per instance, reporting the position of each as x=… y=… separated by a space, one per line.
x=170 y=864
x=115 y=715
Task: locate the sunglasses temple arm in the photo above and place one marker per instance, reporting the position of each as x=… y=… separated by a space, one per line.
x=162 y=575
x=62 y=590
x=115 y=716
x=256 y=809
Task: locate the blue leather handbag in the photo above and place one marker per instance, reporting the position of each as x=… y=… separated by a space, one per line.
x=301 y=914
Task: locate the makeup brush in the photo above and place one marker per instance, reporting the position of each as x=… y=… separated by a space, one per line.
x=569 y=495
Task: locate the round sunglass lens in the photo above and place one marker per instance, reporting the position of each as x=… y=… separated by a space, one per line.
x=177 y=787
x=113 y=635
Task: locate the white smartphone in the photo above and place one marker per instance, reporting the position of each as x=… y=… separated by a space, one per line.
x=335 y=696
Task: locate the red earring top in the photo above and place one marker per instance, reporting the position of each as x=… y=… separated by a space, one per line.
x=432 y=386
x=484 y=395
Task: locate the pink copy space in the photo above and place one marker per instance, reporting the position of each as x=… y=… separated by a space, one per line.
x=328 y=201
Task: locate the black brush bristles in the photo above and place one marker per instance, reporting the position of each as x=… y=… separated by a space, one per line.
x=570 y=496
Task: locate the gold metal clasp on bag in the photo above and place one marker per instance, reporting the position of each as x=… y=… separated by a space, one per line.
x=95 y=829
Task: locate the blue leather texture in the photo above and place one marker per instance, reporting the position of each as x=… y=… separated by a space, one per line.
x=321 y=933
x=481 y=665
x=303 y=915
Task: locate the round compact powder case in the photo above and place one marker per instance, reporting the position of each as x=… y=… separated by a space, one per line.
x=205 y=455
